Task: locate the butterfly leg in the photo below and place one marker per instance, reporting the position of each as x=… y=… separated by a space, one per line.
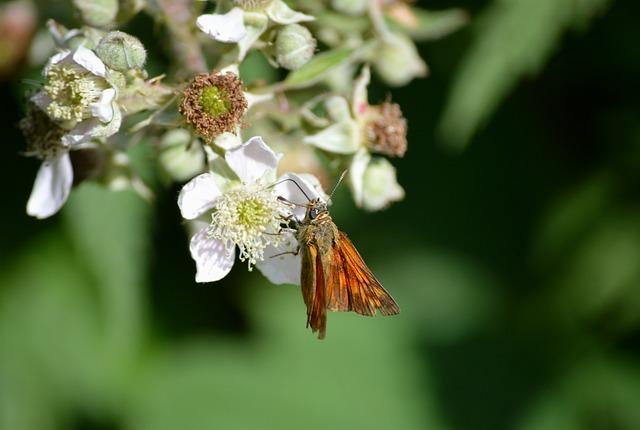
x=296 y=252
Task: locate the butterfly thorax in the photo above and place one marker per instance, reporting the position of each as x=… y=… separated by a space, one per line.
x=320 y=232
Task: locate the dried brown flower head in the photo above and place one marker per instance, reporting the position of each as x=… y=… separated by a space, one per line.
x=214 y=103
x=386 y=129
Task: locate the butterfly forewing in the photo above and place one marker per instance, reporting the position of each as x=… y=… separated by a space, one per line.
x=352 y=287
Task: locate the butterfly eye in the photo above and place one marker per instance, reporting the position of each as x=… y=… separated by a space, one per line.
x=313 y=213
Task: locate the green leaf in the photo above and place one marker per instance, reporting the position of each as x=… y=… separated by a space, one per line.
x=110 y=231
x=50 y=336
x=318 y=67
x=513 y=39
x=433 y=25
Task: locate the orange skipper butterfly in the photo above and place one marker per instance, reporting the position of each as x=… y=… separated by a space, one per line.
x=333 y=274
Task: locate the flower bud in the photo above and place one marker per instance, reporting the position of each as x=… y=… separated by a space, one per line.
x=97 y=13
x=121 y=51
x=350 y=7
x=180 y=155
x=380 y=187
x=373 y=182
x=397 y=61
x=294 y=46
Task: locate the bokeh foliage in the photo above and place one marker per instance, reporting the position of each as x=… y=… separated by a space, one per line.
x=515 y=263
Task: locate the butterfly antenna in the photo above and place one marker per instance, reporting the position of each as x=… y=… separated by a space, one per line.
x=294 y=182
x=335 y=187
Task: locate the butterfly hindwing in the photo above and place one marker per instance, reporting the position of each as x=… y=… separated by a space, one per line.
x=313 y=289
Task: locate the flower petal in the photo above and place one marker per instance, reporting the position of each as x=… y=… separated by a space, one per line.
x=93 y=128
x=360 y=96
x=42 y=100
x=282 y=14
x=356 y=175
x=280 y=265
x=51 y=188
x=297 y=190
x=102 y=108
x=212 y=261
x=339 y=138
x=226 y=28
x=90 y=61
x=253 y=160
x=198 y=196
x=57 y=58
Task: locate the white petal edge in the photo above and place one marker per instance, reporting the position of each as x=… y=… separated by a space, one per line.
x=360 y=95
x=42 y=100
x=281 y=13
x=102 y=108
x=356 y=175
x=90 y=61
x=210 y=255
x=226 y=28
x=198 y=196
x=281 y=268
x=51 y=187
x=297 y=190
x=253 y=161
x=56 y=58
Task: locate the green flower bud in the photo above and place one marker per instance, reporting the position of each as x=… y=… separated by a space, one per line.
x=181 y=156
x=350 y=7
x=97 y=13
x=121 y=51
x=397 y=61
x=294 y=46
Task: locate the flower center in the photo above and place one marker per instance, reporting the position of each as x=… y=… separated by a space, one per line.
x=213 y=104
x=72 y=91
x=248 y=217
x=215 y=101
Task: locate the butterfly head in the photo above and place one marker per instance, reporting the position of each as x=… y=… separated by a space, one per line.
x=316 y=209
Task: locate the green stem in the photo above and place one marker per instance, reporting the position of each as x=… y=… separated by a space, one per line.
x=180 y=19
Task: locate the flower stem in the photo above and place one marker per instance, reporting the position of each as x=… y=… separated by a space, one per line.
x=179 y=18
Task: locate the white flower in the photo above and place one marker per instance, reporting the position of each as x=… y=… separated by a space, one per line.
x=78 y=96
x=76 y=105
x=356 y=130
x=244 y=213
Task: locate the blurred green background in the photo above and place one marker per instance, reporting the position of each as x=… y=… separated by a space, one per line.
x=515 y=258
